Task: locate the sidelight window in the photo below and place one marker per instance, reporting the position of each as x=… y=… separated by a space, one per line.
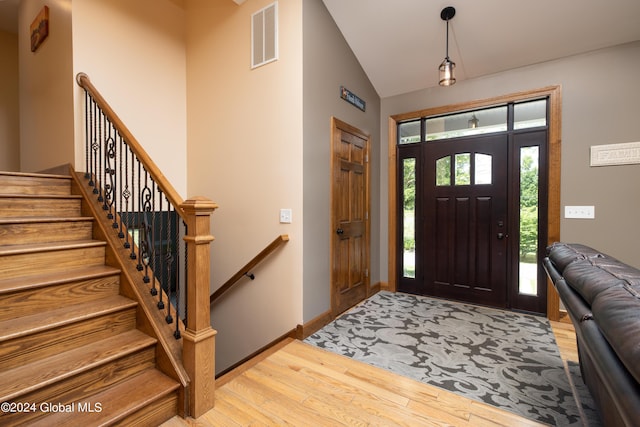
x=409 y=217
x=529 y=191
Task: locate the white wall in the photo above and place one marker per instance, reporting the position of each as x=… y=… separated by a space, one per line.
x=245 y=153
x=9 y=103
x=135 y=54
x=599 y=106
x=46 y=88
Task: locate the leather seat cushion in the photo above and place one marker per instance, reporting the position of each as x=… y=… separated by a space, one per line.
x=617 y=313
x=589 y=280
x=563 y=254
x=619 y=269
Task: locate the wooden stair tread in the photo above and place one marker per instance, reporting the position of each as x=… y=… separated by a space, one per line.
x=50 y=319
x=66 y=332
x=37 y=219
x=23 y=283
x=40 y=196
x=49 y=246
x=122 y=399
x=31 y=376
x=34 y=175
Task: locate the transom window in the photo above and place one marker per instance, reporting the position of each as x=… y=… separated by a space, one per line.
x=528 y=114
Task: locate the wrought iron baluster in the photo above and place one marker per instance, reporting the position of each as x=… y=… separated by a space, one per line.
x=99 y=176
x=175 y=262
x=117 y=222
x=186 y=271
x=94 y=148
x=128 y=206
x=109 y=169
x=160 y=271
x=87 y=121
x=140 y=211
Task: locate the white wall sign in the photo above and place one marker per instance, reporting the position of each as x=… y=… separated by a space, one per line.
x=615 y=154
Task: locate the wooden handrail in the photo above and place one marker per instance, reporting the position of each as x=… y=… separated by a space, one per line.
x=247 y=268
x=172 y=195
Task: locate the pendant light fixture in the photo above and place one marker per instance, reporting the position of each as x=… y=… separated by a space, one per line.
x=447 y=76
x=473 y=122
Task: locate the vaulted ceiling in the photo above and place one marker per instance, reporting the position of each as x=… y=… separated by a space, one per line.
x=400 y=43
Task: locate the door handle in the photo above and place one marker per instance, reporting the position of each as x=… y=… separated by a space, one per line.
x=501 y=236
x=339 y=231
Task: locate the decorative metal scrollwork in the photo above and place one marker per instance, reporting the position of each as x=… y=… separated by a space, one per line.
x=142 y=216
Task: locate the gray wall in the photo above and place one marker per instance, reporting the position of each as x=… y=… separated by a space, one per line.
x=600 y=105
x=328 y=63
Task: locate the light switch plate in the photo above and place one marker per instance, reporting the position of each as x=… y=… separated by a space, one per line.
x=581 y=212
x=285 y=216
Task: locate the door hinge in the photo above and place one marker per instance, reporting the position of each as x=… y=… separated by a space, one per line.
x=366 y=272
x=366 y=158
x=366 y=215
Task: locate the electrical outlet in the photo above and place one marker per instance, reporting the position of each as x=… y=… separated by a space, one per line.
x=582 y=212
x=285 y=216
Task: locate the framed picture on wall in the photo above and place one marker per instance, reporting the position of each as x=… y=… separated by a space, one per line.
x=39 y=28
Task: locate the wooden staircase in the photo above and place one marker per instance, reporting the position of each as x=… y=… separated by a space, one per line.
x=70 y=353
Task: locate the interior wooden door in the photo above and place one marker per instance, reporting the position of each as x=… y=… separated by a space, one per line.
x=350 y=216
x=466 y=220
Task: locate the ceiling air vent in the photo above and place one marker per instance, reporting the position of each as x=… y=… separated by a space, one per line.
x=264 y=36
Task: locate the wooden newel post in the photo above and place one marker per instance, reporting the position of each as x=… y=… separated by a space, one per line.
x=199 y=338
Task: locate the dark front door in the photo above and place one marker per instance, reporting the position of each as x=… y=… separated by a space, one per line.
x=465 y=227
x=472 y=205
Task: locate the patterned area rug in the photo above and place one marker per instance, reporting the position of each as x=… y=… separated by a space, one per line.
x=506 y=359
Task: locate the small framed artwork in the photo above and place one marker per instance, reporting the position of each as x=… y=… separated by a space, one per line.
x=39 y=28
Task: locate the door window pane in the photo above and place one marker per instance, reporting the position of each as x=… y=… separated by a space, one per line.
x=529 y=179
x=463 y=169
x=530 y=114
x=482 y=173
x=443 y=171
x=409 y=217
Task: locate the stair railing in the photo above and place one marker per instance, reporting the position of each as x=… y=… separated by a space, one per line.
x=246 y=270
x=166 y=237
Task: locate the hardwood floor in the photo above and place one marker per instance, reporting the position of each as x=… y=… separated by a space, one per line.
x=298 y=384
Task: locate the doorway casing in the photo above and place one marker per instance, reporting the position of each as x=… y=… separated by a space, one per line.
x=554 y=95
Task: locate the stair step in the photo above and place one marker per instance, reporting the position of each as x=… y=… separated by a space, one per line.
x=26 y=325
x=30 y=183
x=16 y=205
x=35 y=281
x=67 y=336
x=19 y=231
x=16 y=260
x=29 y=377
x=43 y=334
x=146 y=399
x=27 y=294
x=80 y=387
